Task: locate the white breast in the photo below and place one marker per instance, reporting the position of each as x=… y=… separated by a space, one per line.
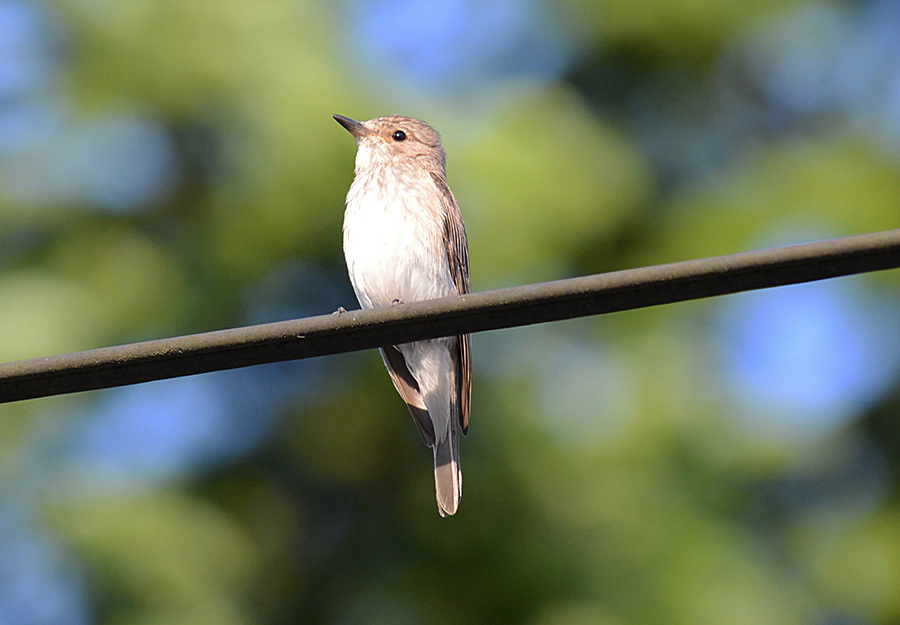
x=394 y=240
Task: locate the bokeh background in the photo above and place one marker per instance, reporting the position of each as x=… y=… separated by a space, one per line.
x=171 y=166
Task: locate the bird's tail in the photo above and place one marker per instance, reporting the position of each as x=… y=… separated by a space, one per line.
x=447 y=474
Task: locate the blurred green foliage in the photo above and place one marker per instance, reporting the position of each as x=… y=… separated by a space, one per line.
x=610 y=478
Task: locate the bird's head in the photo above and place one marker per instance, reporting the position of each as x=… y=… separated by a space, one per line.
x=393 y=140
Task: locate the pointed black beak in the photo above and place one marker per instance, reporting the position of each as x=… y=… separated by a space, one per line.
x=354 y=127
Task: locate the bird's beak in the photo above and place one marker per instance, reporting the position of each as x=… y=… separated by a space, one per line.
x=354 y=127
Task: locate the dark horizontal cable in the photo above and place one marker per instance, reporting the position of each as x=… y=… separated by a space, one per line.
x=476 y=312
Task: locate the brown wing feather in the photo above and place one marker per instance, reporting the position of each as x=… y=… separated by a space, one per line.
x=409 y=390
x=458 y=255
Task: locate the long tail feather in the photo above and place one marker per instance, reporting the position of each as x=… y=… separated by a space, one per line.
x=447 y=472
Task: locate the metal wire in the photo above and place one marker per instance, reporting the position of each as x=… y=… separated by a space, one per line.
x=476 y=312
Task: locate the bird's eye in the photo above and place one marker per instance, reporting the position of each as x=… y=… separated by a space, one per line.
x=398 y=135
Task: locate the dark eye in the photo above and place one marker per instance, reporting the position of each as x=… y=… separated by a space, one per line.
x=398 y=135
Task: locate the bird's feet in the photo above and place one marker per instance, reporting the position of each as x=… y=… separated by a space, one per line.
x=397 y=301
x=340 y=311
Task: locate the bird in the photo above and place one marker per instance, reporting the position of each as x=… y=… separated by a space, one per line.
x=405 y=241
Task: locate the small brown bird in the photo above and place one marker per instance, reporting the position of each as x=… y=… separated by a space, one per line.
x=405 y=241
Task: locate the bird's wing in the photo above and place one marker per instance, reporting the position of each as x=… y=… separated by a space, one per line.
x=409 y=390
x=458 y=257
